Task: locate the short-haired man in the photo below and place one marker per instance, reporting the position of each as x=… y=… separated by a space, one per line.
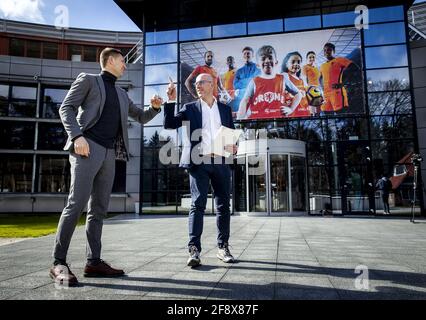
x=205 y=116
x=206 y=68
x=94 y=114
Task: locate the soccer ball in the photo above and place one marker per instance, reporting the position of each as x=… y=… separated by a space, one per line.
x=314 y=96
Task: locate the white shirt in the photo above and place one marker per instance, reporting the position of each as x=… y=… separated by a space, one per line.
x=211 y=124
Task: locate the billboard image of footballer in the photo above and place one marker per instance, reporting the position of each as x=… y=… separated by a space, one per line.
x=298 y=75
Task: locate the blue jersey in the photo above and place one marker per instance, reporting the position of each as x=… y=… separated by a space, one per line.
x=245 y=74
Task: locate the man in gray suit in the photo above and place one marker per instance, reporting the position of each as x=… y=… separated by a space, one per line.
x=94 y=114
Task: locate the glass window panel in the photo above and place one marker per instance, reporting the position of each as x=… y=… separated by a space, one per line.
x=317 y=153
x=54 y=174
x=161 y=54
x=347 y=129
x=265 y=26
x=388 y=79
x=17 y=135
x=24 y=93
x=159 y=180
x=229 y=30
x=386 y=14
x=75 y=52
x=387 y=33
x=157 y=37
x=51 y=136
x=152 y=90
x=390 y=152
x=195 y=33
x=310 y=130
x=388 y=103
x=16 y=173
x=52 y=100
x=319 y=188
x=298 y=183
x=387 y=56
x=160 y=73
x=4 y=100
x=301 y=23
x=50 y=50
x=159 y=202
x=391 y=127
x=90 y=54
x=33 y=49
x=17 y=47
x=339 y=19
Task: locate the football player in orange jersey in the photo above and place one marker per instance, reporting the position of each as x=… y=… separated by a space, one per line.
x=265 y=94
x=207 y=68
x=310 y=71
x=331 y=74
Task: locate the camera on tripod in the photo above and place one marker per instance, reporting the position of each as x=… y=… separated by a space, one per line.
x=416 y=159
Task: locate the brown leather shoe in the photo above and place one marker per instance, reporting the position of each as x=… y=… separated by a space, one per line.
x=102 y=269
x=62 y=275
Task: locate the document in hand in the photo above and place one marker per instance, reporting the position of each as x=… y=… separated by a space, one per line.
x=224 y=137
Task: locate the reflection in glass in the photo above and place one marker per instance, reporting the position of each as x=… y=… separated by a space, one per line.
x=161 y=54
x=4 y=100
x=157 y=37
x=257 y=183
x=90 y=53
x=150 y=91
x=52 y=100
x=17 y=135
x=279 y=183
x=319 y=189
x=388 y=33
x=54 y=174
x=50 y=50
x=388 y=103
x=301 y=23
x=298 y=183
x=229 y=30
x=17 y=47
x=265 y=26
x=338 y=19
x=195 y=33
x=346 y=129
x=23 y=102
x=391 y=127
x=388 y=79
x=240 y=186
x=310 y=130
x=33 y=49
x=160 y=73
x=317 y=153
x=51 y=136
x=16 y=173
x=387 y=56
x=390 y=152
x=386 y=14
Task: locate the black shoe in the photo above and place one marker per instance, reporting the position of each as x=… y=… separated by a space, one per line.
x=194 y=257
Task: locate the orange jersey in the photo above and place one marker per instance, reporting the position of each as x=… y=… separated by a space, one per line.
x=268 y=98
x=302 y=110
x=211 y=71
x=332 y=71
x=228 y=81
x=312 y=74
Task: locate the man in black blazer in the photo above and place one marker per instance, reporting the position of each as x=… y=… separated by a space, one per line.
x=203 y=119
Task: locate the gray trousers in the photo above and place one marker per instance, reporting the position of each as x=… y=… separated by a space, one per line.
x=92 y=179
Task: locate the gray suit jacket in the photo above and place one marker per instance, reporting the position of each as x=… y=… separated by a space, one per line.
x=83 y=105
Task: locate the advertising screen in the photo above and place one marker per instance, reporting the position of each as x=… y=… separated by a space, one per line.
x=293 y=75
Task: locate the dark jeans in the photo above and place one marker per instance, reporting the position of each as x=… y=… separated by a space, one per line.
x=385 y=198
x=220 y=177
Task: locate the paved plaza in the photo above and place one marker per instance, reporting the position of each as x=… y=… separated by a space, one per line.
x=301 y=257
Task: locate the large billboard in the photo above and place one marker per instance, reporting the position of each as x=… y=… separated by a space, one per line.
x=293 y=75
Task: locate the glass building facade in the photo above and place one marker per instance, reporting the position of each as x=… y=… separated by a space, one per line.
x=345 y=154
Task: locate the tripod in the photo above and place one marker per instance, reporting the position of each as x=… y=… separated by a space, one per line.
x=416 y=168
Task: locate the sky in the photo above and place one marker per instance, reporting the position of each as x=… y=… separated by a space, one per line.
x=86 y=14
